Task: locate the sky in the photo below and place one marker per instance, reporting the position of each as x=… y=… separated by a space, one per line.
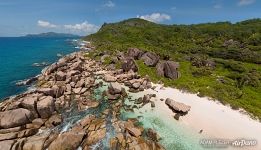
x=83 y=17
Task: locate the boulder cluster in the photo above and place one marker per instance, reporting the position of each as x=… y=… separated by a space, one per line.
x=165 y=68
x=32 y=120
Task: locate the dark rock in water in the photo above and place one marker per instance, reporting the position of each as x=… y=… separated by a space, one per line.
x=134 y=53
x=168 y=69
x=14 y=118
x=150 y=59
x=152 y=104
x=162 y=99
x=177 y=106
x=139 y=101
x=200 y=131
x=146 y=99
x=153 y=135
x=27 y=81
x=153 y=95
x=129 y=64
x=176 y=116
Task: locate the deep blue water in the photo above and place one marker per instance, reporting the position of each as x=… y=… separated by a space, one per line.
x=17 y=54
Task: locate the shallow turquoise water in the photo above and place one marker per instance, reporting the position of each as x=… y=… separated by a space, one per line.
x=17 y=54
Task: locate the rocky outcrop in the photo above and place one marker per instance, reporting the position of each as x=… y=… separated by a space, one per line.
x=129 y=64
x=168 y=69
x=109 y=78
x=67 y=140
x=45 y=107
x=60 y=76
x=65 y=90
x=27 y=81
x=134 y=53
x=6 y=145
x=150 y=59
x=177 y=106
x=14 y=118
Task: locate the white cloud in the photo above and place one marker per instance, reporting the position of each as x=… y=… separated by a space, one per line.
x=109 y=4
x=84 y=27
x=46 y=24
x=217 y=6
x=155 y=17
x=245 y=2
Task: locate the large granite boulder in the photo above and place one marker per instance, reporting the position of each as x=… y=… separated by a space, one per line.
x=134 y=53
x=14 y=118
x=94 y=136
x=129 y=64
x=109 y=78
x=35 y=142
x=115 y=88
x=60 y=76
x=68 y=140
x=150 y=59
x=45 y=106
x=177 y=106
x=47 y=91
x=6 y=145
x=168 y=69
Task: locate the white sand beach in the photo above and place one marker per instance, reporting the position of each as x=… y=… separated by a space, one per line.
x=216 y=120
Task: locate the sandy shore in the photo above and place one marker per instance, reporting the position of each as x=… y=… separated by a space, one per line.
x=216 y=120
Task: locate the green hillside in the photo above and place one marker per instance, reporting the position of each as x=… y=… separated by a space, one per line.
x=235 y=49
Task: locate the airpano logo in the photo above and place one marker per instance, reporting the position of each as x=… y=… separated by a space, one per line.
x=224 y=143
x=243 y=142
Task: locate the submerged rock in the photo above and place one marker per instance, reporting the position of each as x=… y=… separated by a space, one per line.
x=153 y=135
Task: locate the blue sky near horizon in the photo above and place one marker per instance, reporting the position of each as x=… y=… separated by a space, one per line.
x=20 y=17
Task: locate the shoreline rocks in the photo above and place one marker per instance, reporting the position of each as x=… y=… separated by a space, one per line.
x=36 y=119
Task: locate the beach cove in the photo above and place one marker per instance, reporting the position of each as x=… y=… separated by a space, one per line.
x=90 y=105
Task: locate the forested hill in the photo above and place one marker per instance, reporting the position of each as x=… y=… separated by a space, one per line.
x=233 y=49
x=240 y=41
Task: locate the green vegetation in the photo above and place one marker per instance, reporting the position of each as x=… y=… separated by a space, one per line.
x=235 y=49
